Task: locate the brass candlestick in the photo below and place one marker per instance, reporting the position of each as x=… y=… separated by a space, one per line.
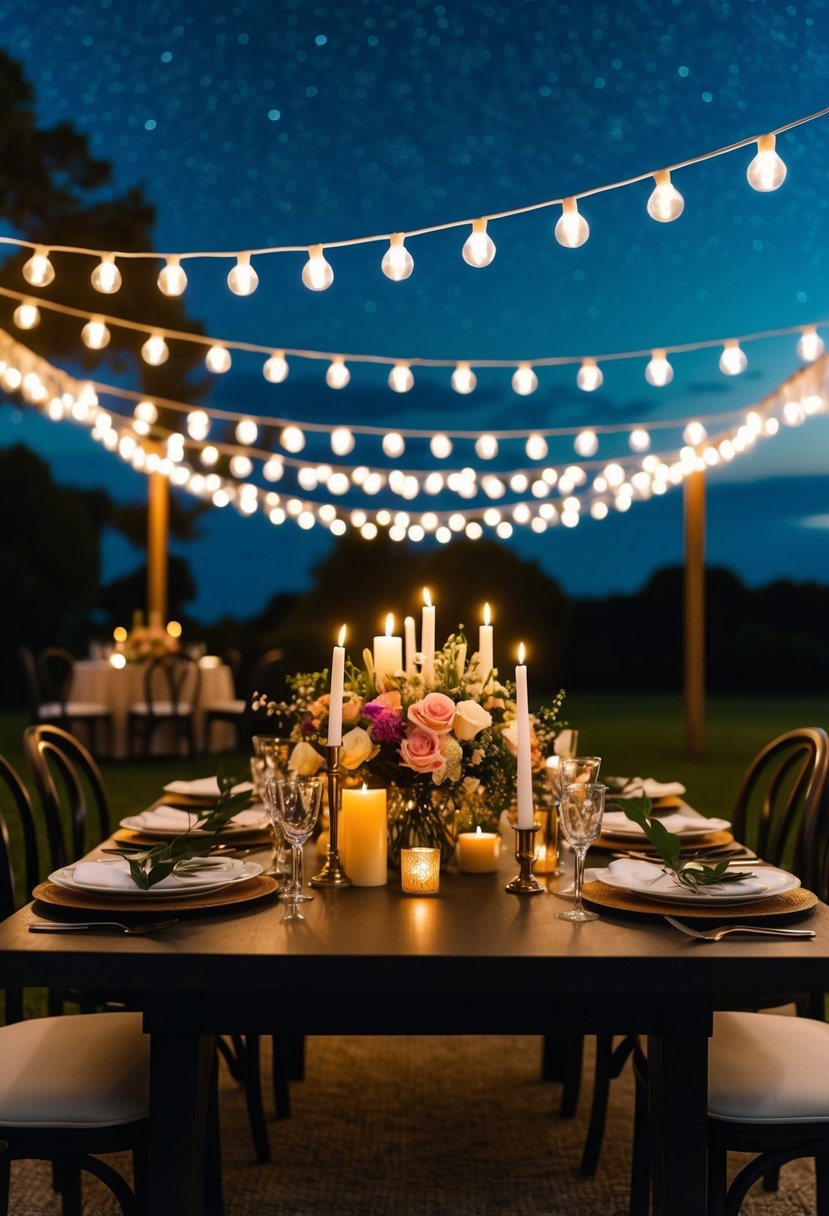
x=524 y=883
x=332 y=873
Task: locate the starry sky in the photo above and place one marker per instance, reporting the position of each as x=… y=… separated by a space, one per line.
x=252 y=124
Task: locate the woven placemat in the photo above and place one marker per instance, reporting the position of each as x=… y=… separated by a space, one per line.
x=785 y=904
x=711 y=840
x=238 y=893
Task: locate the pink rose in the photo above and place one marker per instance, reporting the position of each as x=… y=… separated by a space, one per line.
x=421 y=751
x=389 y=701
x=436 y=712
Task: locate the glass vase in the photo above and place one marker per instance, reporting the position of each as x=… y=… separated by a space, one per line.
x=421 y=814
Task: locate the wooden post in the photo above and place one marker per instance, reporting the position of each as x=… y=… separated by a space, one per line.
x=694 y=664
x=158 y=526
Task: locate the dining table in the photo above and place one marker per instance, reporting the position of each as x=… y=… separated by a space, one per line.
x=472 y=959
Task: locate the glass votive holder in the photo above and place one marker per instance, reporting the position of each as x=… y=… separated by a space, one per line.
x=420 y=871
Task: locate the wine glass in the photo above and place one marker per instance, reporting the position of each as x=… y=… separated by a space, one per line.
x=270 y=758
x=570 y=769
x=296 y=806
x=580 y=815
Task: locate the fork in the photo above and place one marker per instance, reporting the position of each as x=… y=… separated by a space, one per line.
x=51 y=926
x=716 y=935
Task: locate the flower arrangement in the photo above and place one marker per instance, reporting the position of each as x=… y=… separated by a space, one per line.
x=148 y=641
x=448 y=742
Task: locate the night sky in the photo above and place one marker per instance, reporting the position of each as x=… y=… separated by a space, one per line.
x=253 y=124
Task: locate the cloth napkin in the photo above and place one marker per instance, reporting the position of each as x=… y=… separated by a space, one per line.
x=615 y=822
x=170 y=818
x=636 y=786
x=115 y=872
x=202 y=787
x=649 y=876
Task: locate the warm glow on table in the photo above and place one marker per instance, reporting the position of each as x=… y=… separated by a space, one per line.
x=420 y=871
x=363 y=836
x=478 y=852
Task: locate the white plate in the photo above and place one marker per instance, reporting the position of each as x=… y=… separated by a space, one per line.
x=775 y=882
x=169 y=888
x=617 y=829
x=135 y=823
x=202 y=787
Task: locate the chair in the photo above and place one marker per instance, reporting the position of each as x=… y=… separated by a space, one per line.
x=57 y=1102
x=70 y=791
x=777 y=814
x=172 y=685
x=55 y=667
x=232 y=710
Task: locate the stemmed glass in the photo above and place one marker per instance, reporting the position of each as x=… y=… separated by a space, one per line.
x=579 y=770
x=580 y=815
x=270 y=759
x=295 y=803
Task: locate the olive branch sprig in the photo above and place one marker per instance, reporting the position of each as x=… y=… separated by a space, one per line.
x=691 y=873
x=149 y=866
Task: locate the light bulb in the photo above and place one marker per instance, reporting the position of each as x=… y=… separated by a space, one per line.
x=106 y=277
x=733 y=359
x=440 y=446
x=590 y=376
x=586 y=443
x=572 y=228
x=639 y=439
x=479 y=247
x=393 y=445
x=342 y=441
x=659 y=371
x=810 y=345
x=397 y=263
x=463 y=378
x=317 y=274
x=146 y=411
x=247 y=432
x=767 y=171
x=39 y=271
x=524 y=380
x=95 y=334
x=337 y=374
x=401 y=378
x=171 y=278
x=292 y=439
x=241 y=466
x=666 y=203
x=217 y=359
x=27 y=315
x=694 y=434
x=243 y=279
x=198 y=425
x=536 y=447
x=155 y=351
x=486 y=447
x=275 y=369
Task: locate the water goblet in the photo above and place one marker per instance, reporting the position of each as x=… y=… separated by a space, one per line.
x=570 y=769
x=270 y=757
x=296 y=802
x=580 y=815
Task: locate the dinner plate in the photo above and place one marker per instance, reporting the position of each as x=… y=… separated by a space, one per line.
x=619 y=827
x=771 y=880
x=135 y=823
x=170 y=887
x=203 y=787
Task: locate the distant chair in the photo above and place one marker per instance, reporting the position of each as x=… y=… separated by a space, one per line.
x=55 y=666
x=230 y=710
x=172 y=685
x=267 y=675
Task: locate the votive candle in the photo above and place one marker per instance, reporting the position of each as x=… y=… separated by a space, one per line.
x=388 y=654
x=524 y=776
x=335 y=700
x=420 y=871
x=478 y=851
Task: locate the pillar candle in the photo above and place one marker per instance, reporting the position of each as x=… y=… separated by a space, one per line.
x=524 y=769
x=411 y=644
x=485 y=649
x=478 y=852
x=335 y=700
x=427 y=637
x=365 y=832
x=388 y=654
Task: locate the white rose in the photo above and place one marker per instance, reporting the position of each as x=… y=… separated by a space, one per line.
x=470 y=718
x=305 y=760
x=510 y=733
x=357 y=747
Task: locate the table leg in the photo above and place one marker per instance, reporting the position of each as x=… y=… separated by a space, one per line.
x=180 y=1088
x=678 y=1087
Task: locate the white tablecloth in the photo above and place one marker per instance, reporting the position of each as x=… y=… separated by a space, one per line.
x=119 y=688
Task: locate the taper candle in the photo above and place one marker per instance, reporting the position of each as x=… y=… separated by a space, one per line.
x=410 y=644
x=524 y=781
x=335 y=700
x=427 y=638
x=485 y=649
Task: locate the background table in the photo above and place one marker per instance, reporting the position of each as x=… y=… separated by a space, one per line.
x=120 y=687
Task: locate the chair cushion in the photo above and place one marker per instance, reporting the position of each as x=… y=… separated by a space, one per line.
x=89 y=1070
x=763 y=1068
x=162 y=709
x=50 y=709
x=225 y=707
x=87 y=709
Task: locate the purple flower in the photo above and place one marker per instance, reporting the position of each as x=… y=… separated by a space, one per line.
x=386 y=726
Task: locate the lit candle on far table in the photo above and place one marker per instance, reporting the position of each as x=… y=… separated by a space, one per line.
x=524 y=778
x=427 y=637
x=364 y=829
x=485 y=651
x=335 y=700
x=411 y=644
x=388 y=654
x=478 y=851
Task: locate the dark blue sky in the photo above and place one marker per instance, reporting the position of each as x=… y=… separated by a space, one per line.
x=278 y=123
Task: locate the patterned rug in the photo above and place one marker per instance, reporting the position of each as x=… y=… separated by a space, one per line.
x=421 y=1127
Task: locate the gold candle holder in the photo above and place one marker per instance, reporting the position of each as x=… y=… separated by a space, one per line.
x=332 y=873
x=524 y=883
x=420 y=871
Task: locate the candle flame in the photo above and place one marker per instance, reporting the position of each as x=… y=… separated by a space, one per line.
x=365 y=788
x=341 y=637
x=389 y=625
x=521 y=653
x=427 y=599
x=478 y=831
x=486 y=615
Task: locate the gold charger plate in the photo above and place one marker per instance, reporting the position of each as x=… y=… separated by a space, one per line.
x=237 y=893
x=789 y=902
x=616 y=844
x=241 y=837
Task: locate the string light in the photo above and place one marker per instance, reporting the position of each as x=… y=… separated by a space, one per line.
x=486 y=447
x=640 y=440
x=586 y=443
x=393 y=445
x=810 y=345
x=694 y=434
x=172 y=280
x=441 y=446
x=342 y=441
x=666 y=203
x=95 y=334
x=106 y=277
x=38 y=271
x=397 y=263
x=524 y=380
x=479 y=247
x=572 y=229
x=464 y=379
x=536 y=447
x=733 y=358
x=767 y=171
x=155 y=351
x=243 y=279
x=337 y=375
x=27 y=315
x=292 y=439
x=247 y=432
x=275 y=369
x=317 y=273
x=218 y=359
x=401 y=378
x=659 y=371
x=590 y=376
